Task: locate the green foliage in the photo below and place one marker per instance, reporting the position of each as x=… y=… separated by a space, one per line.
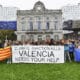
x=66 y=71
x=9 y=33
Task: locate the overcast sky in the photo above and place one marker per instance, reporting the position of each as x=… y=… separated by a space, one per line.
x=28 y=4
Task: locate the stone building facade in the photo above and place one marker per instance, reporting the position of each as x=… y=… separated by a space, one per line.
x=39 y=23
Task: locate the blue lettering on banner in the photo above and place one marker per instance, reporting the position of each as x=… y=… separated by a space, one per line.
x=8 y=25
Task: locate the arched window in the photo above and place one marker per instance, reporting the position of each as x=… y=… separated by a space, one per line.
x=39 y=37
x=31 y=37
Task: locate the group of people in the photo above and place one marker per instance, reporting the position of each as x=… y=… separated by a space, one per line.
x=42 y=42
x=29 y=42
x=69 y=45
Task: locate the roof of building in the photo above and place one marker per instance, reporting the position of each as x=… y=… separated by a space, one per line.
x=38 y=8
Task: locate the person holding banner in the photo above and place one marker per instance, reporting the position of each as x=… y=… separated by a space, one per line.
x=71 y=49
x=7 y=44
x=66 y=50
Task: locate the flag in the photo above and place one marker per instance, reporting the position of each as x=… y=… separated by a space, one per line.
x=5 y=53
x=77 y=55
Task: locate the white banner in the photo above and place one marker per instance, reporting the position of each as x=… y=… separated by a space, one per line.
x=37 y=54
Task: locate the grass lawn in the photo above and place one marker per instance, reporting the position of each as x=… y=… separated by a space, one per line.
x=66 y=71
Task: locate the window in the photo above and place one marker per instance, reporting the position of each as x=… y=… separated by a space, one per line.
x=55 y=25
x=23 y=22
x=23 y=25
x=55 y=22
x=39 y=37
x=31 y=37
x=47 y=25
x=39 y=25
x=31 y=26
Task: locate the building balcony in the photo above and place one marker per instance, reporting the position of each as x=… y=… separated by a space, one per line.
x=35 y=31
